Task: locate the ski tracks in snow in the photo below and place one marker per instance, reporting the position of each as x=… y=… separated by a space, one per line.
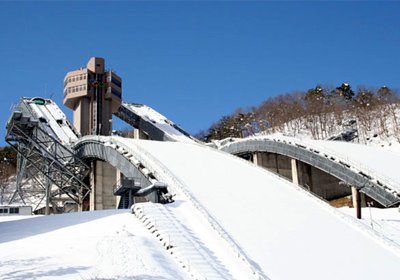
x=181 y=242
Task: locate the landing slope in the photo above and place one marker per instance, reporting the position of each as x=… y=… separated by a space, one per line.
x=284 y=231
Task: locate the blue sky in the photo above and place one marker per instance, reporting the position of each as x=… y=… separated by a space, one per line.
x=196 y=61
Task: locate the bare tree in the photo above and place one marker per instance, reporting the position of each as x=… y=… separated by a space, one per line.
x=7 y=170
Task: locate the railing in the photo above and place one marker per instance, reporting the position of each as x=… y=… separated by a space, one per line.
x=359 y=167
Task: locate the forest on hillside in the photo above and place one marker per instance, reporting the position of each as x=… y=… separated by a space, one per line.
x=320 y=111
x=8 y=166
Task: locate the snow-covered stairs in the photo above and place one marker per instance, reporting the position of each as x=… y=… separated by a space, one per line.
x=181 y=242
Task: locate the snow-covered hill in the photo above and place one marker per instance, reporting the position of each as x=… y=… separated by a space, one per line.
x=376 y=128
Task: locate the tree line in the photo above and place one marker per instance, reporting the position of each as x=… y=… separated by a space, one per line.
x=320 y=110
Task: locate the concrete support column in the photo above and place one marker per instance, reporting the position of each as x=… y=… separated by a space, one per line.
x=356 y=200
x=92 y=202
x=255 y=158
x=102 y=182
x=295 y=176
x=118 y=179
x=138 y=134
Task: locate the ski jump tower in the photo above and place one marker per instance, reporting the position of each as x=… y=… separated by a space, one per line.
x=94 y=94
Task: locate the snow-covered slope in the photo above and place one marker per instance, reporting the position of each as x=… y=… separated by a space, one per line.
x=225 y=210
x=110 y=244
x=285 y=232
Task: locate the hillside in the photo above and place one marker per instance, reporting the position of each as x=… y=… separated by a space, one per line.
x=319 y=114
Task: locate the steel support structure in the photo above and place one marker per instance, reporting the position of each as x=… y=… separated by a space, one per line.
x=58 y=171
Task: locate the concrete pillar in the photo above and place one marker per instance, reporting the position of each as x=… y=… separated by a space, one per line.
x=92 y=203
x=118 y=178
x=102 y=182
x=356 y=201
x=138 y=134
x=304 y=175
x=295 y=176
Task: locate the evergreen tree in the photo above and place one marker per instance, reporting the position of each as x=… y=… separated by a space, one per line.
x=346 y=92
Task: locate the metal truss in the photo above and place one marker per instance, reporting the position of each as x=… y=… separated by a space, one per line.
x=41 y=158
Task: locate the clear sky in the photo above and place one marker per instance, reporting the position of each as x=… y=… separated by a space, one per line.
x=195 y=61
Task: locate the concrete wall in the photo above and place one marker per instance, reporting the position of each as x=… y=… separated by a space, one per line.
x=320 y=182
x=275 y=163
x=314 y=179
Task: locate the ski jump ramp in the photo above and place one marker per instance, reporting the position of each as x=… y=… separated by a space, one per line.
x=240 y=221
x=157 y=126
x=277 y=229
x=368 y=167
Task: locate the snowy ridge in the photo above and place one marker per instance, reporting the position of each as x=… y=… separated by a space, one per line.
x=325 y=147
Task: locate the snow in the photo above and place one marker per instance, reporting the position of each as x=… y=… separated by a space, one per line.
x=181 y=228
x=385 y=222
x=159 y=121
x=230 y=218
x=276 y=223
x=53 y=115
x=109 y=244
